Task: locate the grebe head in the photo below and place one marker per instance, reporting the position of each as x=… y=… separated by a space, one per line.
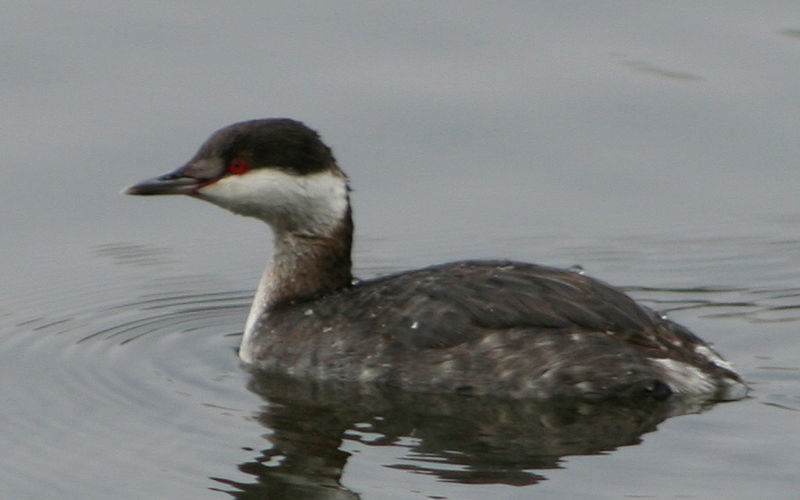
x=277 y=170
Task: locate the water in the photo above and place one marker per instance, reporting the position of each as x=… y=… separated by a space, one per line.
x=653 y=145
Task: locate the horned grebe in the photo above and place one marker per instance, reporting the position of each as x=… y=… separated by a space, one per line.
x=476 y=327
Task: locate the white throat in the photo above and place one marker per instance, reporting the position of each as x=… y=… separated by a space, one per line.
x=282 y=262
x=296 y=207
x=258 y=313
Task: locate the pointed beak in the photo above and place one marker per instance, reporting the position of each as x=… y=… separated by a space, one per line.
x=176 y=182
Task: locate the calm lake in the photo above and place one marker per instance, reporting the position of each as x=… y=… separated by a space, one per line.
x=655 y=144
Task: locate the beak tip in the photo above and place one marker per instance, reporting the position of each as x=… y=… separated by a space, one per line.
x=163 y=185
x=138 y=189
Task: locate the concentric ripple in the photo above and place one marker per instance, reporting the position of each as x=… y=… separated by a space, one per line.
x=122 y=390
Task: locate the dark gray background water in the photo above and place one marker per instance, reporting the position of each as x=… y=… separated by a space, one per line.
x=655 y=144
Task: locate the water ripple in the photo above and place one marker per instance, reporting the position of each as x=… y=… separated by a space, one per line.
x=126 y=381
x=752 y=305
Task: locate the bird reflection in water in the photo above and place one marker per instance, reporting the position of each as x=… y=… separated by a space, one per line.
x=463 y=439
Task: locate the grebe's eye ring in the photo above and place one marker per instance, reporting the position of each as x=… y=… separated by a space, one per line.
x=238 y=166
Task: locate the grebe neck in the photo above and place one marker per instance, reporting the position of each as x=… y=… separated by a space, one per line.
x=305 y=266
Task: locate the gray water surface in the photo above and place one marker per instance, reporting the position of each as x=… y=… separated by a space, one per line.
x=656 y=145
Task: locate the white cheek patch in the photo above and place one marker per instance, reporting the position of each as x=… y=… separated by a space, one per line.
x=312 y=201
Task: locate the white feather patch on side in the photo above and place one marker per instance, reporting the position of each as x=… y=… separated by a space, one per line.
x=713 y=357
x=684 y=378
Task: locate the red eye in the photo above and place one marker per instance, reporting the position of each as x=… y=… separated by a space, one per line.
x=238 y=166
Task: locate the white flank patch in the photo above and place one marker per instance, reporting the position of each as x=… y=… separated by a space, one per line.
x=313 y=202
x=713 y=357
x=684 y=378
